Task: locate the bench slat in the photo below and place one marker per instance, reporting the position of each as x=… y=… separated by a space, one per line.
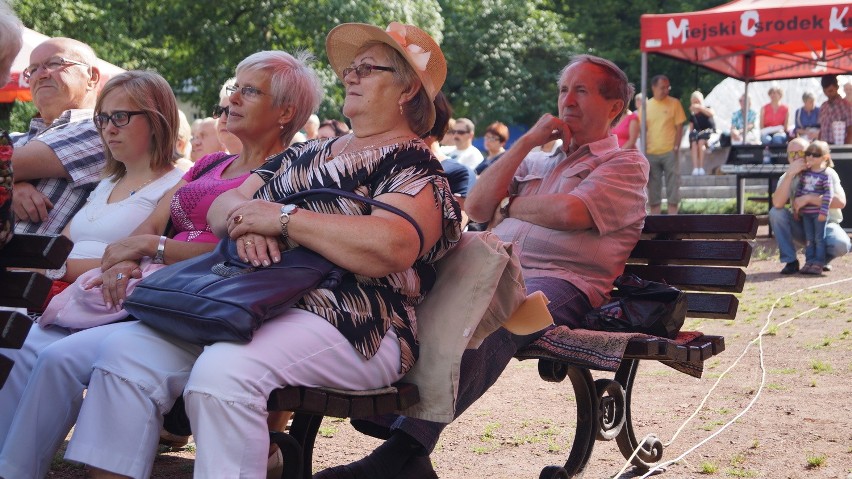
x=701 y=226
x=24 y=289
x=693 y=278
x=695 y=252
x=696 y=351
x=36 y=251
x=14 y=327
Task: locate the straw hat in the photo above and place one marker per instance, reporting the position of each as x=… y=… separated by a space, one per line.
x=415 y=45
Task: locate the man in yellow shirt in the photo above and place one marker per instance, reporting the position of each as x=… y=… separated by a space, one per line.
x=665 y=118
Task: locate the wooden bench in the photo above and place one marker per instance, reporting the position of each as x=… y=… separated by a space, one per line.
x=25 y=289
x=700 y=254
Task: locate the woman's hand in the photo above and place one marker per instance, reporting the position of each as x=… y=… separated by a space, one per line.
x=255 y=227
x=114 y=281
x=132 y=248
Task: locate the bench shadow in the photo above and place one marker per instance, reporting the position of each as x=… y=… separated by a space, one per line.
x=763 y=277
x=170 y=463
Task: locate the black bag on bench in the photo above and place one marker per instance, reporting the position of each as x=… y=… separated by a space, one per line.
x=642 y=307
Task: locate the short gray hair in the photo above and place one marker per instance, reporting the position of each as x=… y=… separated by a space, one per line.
x=10 y=32
x=293 y=83
x=616 y=86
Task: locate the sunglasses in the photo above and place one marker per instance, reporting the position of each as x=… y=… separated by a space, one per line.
x=795 y=154
x=813 y=154
x=221 y=110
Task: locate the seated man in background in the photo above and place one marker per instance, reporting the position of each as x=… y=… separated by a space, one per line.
x=789 y=233
x=583 y=207
x=59 y=160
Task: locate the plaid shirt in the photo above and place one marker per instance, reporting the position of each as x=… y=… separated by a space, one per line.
x=75 y=140
x=833 y=110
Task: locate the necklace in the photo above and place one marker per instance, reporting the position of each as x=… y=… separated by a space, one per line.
x=133 y=191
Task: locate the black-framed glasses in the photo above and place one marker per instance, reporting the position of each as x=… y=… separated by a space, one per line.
x=51 y=65
x=813 y=154
x=118 y=118
x=221 y=110
x=247 y=92
x=364 y=70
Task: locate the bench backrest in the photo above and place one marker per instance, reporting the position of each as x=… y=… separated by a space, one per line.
x=24 y=289
x=703 y=255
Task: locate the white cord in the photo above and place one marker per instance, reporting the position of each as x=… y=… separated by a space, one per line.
x=759 y=341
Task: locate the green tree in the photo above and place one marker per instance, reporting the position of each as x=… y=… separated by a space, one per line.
x=197 y=45
x=611 y=29
x=504 y=58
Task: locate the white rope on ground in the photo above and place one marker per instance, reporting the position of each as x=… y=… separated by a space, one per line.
x=759 y=341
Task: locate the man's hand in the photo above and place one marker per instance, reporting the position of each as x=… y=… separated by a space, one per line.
x=549 y=128
x=30 y=204
x=797 y=166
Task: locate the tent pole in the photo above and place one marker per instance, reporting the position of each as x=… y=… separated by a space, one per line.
x=643 y=131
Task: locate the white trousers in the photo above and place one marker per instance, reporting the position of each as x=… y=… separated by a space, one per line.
x=40 y=400
x=140 y=373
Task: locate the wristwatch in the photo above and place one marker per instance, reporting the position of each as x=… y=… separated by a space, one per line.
x=505 y=203
x=286 y=211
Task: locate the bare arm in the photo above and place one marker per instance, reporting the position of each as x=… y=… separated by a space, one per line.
x=350 y=241
x=36 y=160
x=493 y=185
x=633 y=129
x=781 y=195
x=560 y=212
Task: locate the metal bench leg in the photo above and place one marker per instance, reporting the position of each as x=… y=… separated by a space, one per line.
x=652 y=449
x=304 y=431
x=587 y=415
x=292 y=452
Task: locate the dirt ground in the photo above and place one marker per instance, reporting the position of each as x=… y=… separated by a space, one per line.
x=782 y=411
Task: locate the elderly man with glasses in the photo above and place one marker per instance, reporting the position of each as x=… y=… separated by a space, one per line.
x=789 y=233
x=465 y=153
x=59 y=160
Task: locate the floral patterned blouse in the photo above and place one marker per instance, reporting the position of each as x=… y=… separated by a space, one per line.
x=363 y=309
x=7 y=216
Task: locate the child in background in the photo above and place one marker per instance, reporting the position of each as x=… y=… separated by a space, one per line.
x=814 y=181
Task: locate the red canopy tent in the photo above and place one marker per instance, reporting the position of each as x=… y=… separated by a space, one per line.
x=755 y=40
x=19 y=89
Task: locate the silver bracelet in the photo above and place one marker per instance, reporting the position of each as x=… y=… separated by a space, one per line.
x=159 y=257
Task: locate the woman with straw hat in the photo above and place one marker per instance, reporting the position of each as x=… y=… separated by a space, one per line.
x=366 y=324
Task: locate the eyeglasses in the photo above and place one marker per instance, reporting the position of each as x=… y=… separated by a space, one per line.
x=364 y=70
x=247 y=92
x=792 y=155
x=118 y=118
x=812 y=154
x=51 y=65
x=221 y=110
x=459 y=132
x=492 y=138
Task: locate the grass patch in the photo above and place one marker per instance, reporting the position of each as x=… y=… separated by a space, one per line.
x=815 y=461
x=327 y=431
x=738 y=472
x=488 y=434
x=775 y=387
x=772 y=330
x=707 y=467
x=821 y=367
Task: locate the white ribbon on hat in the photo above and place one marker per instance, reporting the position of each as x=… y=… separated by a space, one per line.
x=419 y=56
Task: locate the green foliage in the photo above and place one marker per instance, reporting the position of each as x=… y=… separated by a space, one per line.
x=504 y=56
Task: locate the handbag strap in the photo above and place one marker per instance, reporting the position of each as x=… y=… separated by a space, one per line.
x=296 y=197
x=169 y=231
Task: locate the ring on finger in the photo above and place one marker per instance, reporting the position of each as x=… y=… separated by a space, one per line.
x=249 y=242
x=119 y=276
x=238 y=219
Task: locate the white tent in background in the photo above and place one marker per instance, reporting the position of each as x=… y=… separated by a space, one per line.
x=724 y=96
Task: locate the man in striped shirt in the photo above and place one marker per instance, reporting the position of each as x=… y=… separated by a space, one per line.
x=59 y=160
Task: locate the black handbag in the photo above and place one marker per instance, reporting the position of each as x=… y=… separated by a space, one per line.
x=642 y=307
x=217 y=297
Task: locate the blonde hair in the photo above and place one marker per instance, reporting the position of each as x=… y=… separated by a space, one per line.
x=821 y=147
x=697 y=94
